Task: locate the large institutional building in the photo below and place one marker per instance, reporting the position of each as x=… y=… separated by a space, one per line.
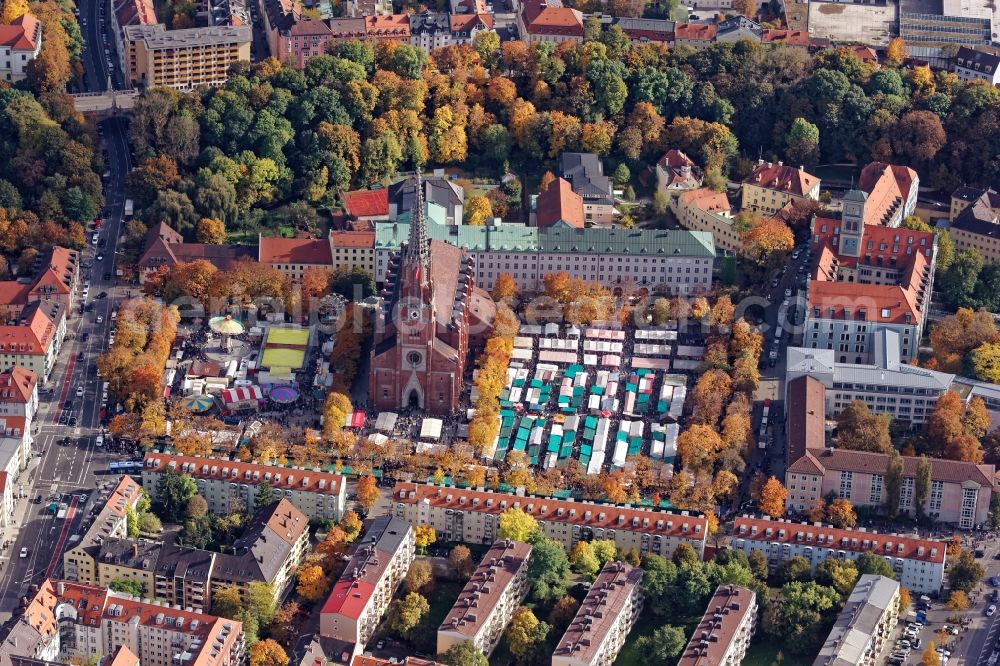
x=422 y=332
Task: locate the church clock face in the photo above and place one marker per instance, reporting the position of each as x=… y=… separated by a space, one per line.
x=414 y=314
x=414 y=359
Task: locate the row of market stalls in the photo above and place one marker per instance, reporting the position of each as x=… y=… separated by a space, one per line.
x=621 y=401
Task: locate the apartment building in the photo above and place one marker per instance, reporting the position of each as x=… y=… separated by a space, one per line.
x=472 y=516
x=294 y=256
x=34 y=341
x=975 y=222
x=890 y=193
x=864 y=625
x=974 y=65
x=772 y=185
x=959 y=494
x=183 y=59
x=678 y=262
x=487 y=603
x=723 y=635
x=111 y=522
x=20 y=43
x=84 y=622
x=586 y=174
x=353 y=250
x=361 y=597
x=867 y=278
x=919 y=563
x=18 y=405
x=709 y=211
x=605 y=618
x=270 y=550
x=887 y=385
x=320 y=495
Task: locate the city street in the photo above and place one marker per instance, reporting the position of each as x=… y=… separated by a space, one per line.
x=71 y=472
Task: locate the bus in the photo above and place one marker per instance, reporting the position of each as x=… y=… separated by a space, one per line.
x=125 y=466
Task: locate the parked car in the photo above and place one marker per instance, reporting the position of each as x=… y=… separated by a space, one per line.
x=991 y=611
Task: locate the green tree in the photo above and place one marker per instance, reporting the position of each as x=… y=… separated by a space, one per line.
x=355 y=284
x=584 y=560
x=407 y=613
x=859 y=429
x=149 y=523
x=841 y=575
x=758 y=564
x=664 y=645
x=870 y=563
x=959 y=281
x=994 y=519
x=622 y=175
x=922 y=484
x=265 y=496
x=464 y=654
x=659 y=577
x=173 y=492
x=226 y=601
x=525 y=634
x=802 y=143
x=128 y=586
x=795 y=569
x=131 y=522
x=196 y=533
x=260 y=601
x=517 y=525
x=548 y=570
x=965 y=572
x=685 y=554
x=893 y=483
x=799 y=614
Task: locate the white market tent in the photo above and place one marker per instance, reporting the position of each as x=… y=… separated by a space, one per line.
x=386 y=421
x=431 y=429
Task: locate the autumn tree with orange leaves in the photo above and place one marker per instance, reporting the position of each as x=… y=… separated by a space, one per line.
x=766 y=240
x=773 y=497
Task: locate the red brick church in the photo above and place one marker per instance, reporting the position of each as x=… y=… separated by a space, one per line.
x=430 y=314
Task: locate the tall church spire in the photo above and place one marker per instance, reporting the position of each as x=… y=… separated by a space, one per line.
x=418 y=249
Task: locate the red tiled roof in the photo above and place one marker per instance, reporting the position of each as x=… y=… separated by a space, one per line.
x=559 y=203
x=783 y=178
x=887 y=186
x=13 y=292
x=866 y=462
x=366 y=203
x=592 y=515
x=22 y=34
x=557 y=21
x=805 y=415
x=359 y=239
x=706 y=199
x=468 y=22
x=854 y=540
x=17 y=384
x=881 y=303
x=790 y=37
x=349 y=598
x=694 y=31
x=32 y=338
x=277 y=477
x=274 y=250
x=866 y=53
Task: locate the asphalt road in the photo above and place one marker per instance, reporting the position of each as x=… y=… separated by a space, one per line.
x=74 y=472
x=95 y=35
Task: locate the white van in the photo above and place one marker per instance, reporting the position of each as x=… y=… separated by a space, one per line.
x=99 y=441
x=96 y=237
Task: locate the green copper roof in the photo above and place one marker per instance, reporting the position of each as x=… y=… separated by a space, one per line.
x=510 y=237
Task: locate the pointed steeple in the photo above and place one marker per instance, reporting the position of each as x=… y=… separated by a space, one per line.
x=418 y=249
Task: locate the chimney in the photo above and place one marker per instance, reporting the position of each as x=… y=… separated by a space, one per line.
x=135 y=549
